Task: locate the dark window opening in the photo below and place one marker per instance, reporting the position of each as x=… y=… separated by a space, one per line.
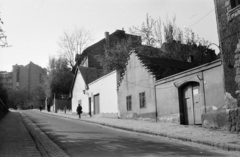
x=234 y=3
x=129 y=103
x=18 y=73
x=142 y=100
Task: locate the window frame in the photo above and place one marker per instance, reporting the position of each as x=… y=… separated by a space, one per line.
x=129 y=102
x=142 y=100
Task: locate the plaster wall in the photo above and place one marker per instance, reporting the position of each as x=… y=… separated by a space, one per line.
x=168 y=91
x=136 y=80
x=106 y=87
x=77 y=94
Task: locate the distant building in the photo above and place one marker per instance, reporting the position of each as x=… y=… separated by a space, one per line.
x=87 y=58
x=6 y=79
x=27 y=77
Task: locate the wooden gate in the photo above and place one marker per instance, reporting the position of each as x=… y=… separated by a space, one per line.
x=191 y=103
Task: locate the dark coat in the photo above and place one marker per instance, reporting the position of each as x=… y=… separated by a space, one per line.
x=79 y=109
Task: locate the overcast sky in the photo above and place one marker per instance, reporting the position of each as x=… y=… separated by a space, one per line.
x=33 y=27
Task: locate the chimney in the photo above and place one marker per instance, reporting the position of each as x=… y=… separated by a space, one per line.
x=190 y=59
x=107 y=38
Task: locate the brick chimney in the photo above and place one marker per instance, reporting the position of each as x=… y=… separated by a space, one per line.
x=107 y=38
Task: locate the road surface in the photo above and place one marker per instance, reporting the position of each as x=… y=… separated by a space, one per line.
x=78 y=138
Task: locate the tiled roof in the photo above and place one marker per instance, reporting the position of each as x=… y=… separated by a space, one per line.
x=159 y=67
x=90 y=74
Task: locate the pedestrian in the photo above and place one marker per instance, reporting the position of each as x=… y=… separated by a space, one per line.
x=40 y=108
x=79 y=110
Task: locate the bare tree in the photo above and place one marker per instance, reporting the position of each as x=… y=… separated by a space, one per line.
x=146 y=31
x=72 y=43
x=3 y=37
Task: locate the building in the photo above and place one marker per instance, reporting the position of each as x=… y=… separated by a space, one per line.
x=136 y=88
x=83 y=76
x=96 y=93
x=227 y=15
x=6 y=79
x=87 y=58
x=184 y=98
x=27 y=77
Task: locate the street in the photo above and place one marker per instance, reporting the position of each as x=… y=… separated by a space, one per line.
x=78 y=138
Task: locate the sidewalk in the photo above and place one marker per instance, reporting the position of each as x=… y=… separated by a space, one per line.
x=15 y=138
x=216 y=138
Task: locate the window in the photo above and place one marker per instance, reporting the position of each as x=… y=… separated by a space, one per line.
x=234 y=3
x=142 y=100
x=129 y=103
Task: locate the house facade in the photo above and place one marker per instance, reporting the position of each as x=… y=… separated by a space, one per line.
x=82 y=77
x=184 y=97
x=136 y=89
x=102 y=95
x=228 y=16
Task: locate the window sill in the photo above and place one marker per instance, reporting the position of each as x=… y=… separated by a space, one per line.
x=233 y=13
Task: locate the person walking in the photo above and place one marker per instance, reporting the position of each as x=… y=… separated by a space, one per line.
x=79 y=110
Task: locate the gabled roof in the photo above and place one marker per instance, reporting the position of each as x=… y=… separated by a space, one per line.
x=155 y=65
x=159 y=67
x=89 y=75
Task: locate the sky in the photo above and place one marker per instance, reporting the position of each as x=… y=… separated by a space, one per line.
x=33 y=27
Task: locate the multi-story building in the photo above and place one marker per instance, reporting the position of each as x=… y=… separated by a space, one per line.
x=27 y=77
x=6 y=79
x=88 y=56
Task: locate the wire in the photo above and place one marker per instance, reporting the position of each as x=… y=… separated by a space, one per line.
x=201 y=19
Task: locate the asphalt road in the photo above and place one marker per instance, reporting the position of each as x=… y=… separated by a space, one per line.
x=78 y=138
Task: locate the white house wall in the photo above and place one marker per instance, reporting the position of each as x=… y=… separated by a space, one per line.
x=106 y=87
x=77 y=94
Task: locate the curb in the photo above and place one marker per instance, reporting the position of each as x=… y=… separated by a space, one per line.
x=223 y=146
x=46 y=146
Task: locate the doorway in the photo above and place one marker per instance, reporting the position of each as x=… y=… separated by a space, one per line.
x=96 y=104
x=191 y=103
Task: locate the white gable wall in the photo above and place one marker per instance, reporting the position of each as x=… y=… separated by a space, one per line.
x=77 y=94
x=106 y=87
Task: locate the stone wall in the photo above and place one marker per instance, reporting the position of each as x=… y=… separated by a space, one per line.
x=233 y=119
x=229 y=33
x=225 y=119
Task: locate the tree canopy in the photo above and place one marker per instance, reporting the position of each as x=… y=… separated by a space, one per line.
x=59 y=78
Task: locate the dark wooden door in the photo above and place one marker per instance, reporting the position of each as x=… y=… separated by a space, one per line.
x=96 y=104
x=192 y=106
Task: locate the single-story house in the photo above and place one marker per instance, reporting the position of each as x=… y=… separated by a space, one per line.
x=102 y=95
x=136 y=88
x=96 y=93
x=83 y=76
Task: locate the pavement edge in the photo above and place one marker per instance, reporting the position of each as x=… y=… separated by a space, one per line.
x=223 y=146
x=46 y=146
